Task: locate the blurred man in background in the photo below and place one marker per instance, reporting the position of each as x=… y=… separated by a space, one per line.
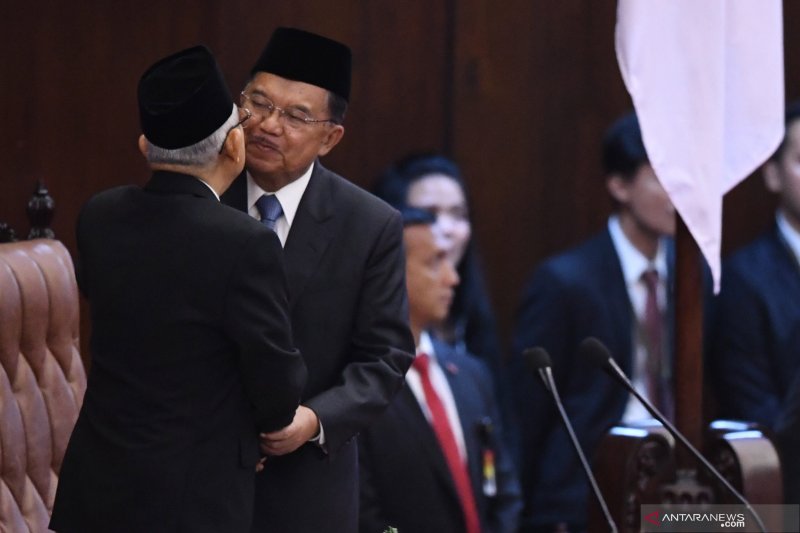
x=615 y=287
x=757 y=342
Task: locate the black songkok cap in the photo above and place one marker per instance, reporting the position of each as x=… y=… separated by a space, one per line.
x=303 y=56
x=183 y=99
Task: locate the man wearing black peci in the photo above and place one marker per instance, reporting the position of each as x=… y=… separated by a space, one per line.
x=192 y=352
x=344 y=262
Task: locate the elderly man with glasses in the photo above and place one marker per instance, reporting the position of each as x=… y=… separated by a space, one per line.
x=344 y=262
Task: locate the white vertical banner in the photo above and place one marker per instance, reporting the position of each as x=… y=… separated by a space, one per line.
x=706 y=79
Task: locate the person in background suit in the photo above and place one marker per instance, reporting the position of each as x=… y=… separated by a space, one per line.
x=408 y=478
x=191 y=345
x=756 y=358
x=787 y=439
x=615 y=287
x=344 y=262
x=434 y=183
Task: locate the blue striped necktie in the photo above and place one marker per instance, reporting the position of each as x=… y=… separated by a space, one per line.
x=269 y=207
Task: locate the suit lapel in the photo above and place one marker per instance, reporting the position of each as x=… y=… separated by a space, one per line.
x=611 y=281
x=784 y=278
x=312 y=231
x=464 y=394
x=786 y=267
x=413 y=417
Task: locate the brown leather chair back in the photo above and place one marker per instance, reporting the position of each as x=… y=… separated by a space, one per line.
x=42 y=379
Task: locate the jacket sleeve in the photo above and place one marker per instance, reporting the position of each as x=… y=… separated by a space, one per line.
x=257 y=319
x=381 y=345
x=742 y=353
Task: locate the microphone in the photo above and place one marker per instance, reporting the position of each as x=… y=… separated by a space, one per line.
x=538 y=360
x=598 y=354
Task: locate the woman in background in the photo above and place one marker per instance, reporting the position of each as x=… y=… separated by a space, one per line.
x=434 y=183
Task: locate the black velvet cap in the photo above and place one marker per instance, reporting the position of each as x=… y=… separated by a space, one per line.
x=183 y=99
x=303 y=56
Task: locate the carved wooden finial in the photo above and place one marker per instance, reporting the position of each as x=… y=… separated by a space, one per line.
x=41 y=208
x=7 y=233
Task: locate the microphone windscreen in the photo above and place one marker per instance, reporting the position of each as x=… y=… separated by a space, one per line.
x=536 y=358
x=595 y=351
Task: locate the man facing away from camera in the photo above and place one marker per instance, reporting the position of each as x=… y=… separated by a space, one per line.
x=191 y=347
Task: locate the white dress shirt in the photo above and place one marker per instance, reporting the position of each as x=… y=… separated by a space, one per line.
x=289 y=196
x=442 y=388
x=634 y=264
x=789 y=234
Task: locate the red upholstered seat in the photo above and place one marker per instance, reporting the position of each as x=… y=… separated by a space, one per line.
x=42 y=379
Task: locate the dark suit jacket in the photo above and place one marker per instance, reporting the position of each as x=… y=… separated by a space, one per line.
x=191 y=356
x=787 y=433
x=577 y=294
x=405 y=480
x=345 y=266
x=757 y=345
x=757 y=350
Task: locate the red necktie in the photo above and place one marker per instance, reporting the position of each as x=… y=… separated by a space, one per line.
x=441 y=426
x=659 y=388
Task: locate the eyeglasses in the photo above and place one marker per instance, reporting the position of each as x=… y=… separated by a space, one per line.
x=247 y=115
x=262 y=107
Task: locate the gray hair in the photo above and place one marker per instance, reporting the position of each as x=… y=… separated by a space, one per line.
x=198 y=154
x=337 y=107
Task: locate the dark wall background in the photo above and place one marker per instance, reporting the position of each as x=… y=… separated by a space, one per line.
x=519 y=92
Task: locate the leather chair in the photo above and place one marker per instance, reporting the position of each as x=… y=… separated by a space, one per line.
x=42 y=379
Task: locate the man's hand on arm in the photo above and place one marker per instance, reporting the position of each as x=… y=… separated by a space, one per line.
x=303 y=428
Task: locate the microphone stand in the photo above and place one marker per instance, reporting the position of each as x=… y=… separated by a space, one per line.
x=549 y=383
x=617 y=373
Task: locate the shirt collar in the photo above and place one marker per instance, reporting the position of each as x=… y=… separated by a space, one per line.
x=633 y=262
x=789 y=234
x=426 y=345
x=289 y=195
x=210 y=188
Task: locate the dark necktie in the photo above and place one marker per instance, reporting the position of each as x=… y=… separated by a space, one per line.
x=659 y=388
x=447 y=441
x=270 y=210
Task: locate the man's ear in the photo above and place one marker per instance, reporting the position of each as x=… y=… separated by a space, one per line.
x=618 y=188
x=234 y=145
x=331 y=139
x=772 y=178
x=143 y=145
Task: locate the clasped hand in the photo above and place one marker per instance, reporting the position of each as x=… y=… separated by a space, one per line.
x=303 y=428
